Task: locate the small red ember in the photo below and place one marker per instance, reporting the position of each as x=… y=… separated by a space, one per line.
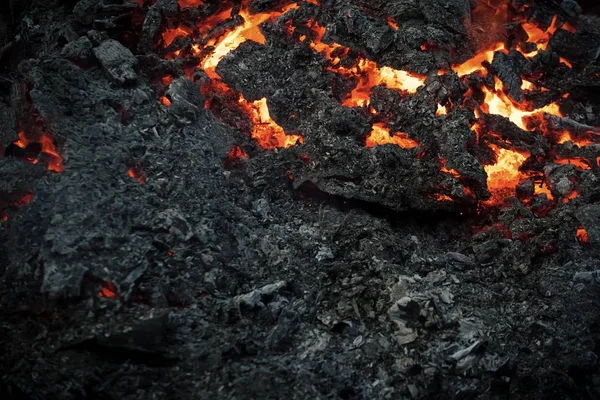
x=108 y=291
x=137 y=174
x=582 y=235
x=25 y=199
x=236 y=153
x=165 y=101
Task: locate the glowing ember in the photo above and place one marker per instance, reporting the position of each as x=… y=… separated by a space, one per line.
x=47 y=148
x=249 y=30
x=373 y=76
x=503 y=176
x=579 y=163
x=582 y=235
x=441 y=110
x=381 y=135
x=108 y=291
x=505 y=173
x=137 y=174
x=166 y=102
x=237 y=153
x=476 y=63
x=25 y=199
x=266 y=132
x=497 y=102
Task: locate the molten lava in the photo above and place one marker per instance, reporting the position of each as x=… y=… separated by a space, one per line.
x=381 y=135
x=505 y=173
x=503 y=176
x=266 y=132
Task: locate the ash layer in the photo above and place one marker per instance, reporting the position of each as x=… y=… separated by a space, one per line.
x=147 y=269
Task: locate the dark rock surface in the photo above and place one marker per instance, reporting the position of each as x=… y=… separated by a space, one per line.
x=212 y=282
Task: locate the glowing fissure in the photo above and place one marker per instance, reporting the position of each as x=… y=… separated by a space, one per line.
x=503 y=176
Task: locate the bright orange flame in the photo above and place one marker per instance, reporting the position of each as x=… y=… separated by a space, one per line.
x=391 y=22
x=538 y=36
x=381 y=135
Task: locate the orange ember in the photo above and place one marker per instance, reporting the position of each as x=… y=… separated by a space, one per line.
x=108 y=291
x=504 y=175
x=497 y=102
x=441 y=197
x=582 y=235
x=237 y=153
x=476 y=63
x=25 y=199
x=166 y=102
x=266 y=132
x=249 y=30
x=137 y=174
x=579 y=163
x=372 y=76
x=48 y=149
x=391 y=22
x=441 y=110
x=381 y=135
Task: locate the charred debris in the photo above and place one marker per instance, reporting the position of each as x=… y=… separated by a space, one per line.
x=312 y=199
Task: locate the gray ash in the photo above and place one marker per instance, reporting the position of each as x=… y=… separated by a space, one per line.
x=312 y=199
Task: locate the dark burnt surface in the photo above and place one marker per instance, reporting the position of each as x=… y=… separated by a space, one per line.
x=228 y=280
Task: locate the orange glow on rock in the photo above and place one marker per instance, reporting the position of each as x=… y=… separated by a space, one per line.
x=266 y=132
x=237 y=153
x=441 y=110
x=166 y=102
x=391 y=22
x=497 y=102
x=48 y=148
x=582 y=235
x=372 y=75
x=137 y=174
x=579 y=163
x=381 y=135
x=476 y=62
x=249 y=30
x=504 y=175
x=108 y=291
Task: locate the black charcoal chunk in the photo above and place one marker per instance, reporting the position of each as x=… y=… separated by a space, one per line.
x=117 y=61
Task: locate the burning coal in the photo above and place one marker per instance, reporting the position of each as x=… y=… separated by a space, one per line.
x=495 y=88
